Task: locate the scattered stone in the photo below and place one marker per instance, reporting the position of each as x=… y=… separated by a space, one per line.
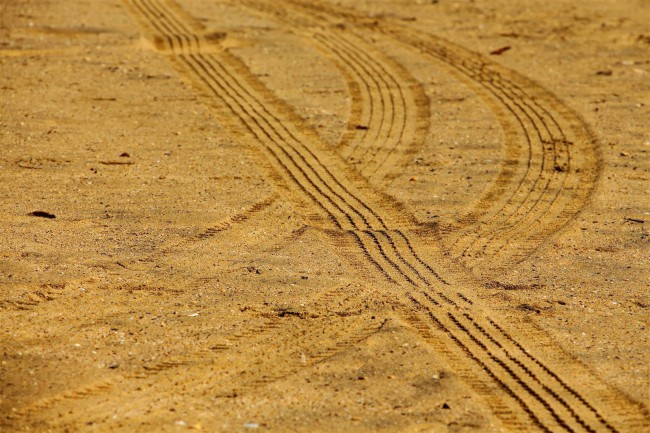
x=42 y=214
x=528 y=307
x=500 y=51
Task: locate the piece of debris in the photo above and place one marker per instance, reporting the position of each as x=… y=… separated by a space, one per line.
x=288 y=311
x=500 y=51
x=508 y=286
x=528 y=307
x=254 y=270
x=605 y=73
x=634 y=220
x=124 y=155
x=116 y=162
x=42 y=214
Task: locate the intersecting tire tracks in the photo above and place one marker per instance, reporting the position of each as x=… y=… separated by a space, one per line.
x=390 y=112
x=306 y=346
x=528 y=393
x=551 y=159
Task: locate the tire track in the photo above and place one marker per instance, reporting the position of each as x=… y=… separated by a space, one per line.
x=311 y=169
x=206 y=380
x=228 y=223
x=549 y=402
x=554 y=186
x=316 y=344
x=390 y=113
x=343 y=206
x=238 y=218
x=556 y=154
x=309 y=349
x=527 y=203
x=29 y=300
x=391 y=263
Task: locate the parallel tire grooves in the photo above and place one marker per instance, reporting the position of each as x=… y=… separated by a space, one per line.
x=502 y=220
x=256 y=112
x=491 y=358
x=385 y=128
x=306 y=168
x=369 y=233
x=529 y=210
x=540 y=130
x=213 y=73
x=527 y=371
x=548 y=371
x=523 y=218
x=168 y=369
x=433 y=318
x=397 y=106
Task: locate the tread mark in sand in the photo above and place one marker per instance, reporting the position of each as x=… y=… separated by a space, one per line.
x=245 y=345
x=29 y=300
x=390 y=110
x=228 y=81
x=561 y=169
x=298 y=161
x=554 y=157
x=544 y=192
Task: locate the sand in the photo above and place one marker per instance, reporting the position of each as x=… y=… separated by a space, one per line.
x=324 y=216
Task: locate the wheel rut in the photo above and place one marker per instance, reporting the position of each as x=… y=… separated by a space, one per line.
x=306 y=343
x=524 y=391
x=390 y=110
x=551 y=160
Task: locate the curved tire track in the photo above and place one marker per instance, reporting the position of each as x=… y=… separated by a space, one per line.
x=354 y=212
x=389 y=108
x=306 y=345
x=531 y=198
